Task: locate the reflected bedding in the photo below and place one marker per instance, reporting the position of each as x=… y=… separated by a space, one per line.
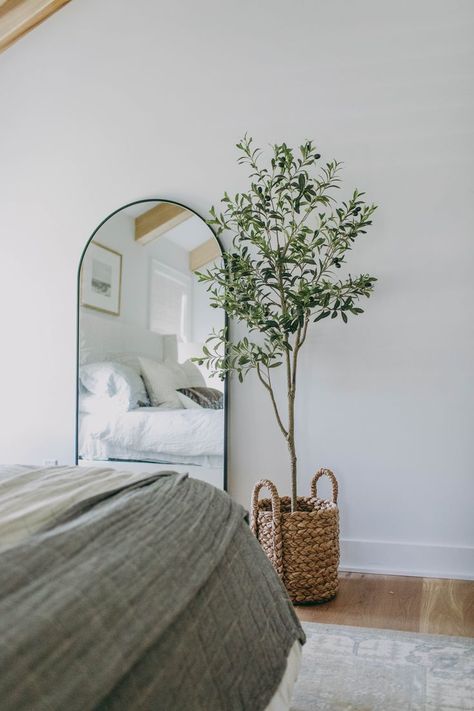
x=192 y=436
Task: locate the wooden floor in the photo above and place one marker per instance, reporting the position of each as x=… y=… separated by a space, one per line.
x=394 y=602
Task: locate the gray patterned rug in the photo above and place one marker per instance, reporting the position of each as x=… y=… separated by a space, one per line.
x=362 y=669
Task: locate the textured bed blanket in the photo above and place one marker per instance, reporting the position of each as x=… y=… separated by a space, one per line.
x=155 y=596
x=33 y=497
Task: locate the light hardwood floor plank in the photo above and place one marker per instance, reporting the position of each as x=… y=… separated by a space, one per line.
x=399 y=603
x=447 y=607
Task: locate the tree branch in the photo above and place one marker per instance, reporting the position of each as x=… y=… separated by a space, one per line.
x=269 y=388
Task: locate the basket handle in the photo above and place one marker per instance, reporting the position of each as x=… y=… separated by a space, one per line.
x=317 y=476
x=276 y=520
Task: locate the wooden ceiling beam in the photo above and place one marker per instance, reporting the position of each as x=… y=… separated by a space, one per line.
x=17 y=17
x=203 y=254
x=159 y=220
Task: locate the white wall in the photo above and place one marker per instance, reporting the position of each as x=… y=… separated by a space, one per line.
x=168 y=253
x=118 y=233
x=112 y=101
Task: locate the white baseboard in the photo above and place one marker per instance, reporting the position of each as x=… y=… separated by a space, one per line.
x=420 y=560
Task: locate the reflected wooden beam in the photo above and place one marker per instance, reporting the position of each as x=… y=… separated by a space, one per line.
x=203 y=254
x=17 y=17
x=160 y=219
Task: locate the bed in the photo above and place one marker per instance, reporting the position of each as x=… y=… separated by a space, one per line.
x=122 y=590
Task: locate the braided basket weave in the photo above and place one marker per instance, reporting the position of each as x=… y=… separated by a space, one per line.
x=304 y=545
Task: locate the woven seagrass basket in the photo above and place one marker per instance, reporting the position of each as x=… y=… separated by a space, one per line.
x=304 y=545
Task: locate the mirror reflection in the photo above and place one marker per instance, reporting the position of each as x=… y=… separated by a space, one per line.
x=143 y=317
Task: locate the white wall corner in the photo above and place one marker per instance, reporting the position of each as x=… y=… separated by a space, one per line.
x=417 y=559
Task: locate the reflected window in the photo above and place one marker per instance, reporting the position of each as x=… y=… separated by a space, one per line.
x=169 y=301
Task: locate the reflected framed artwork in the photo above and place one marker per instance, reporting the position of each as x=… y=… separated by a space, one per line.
x=101 y=279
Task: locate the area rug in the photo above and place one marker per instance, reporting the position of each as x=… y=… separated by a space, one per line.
x=362 y=669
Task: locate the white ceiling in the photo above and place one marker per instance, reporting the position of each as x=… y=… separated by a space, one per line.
x=189 y=234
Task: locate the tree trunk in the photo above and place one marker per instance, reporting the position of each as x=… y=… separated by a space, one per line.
x=292 y=449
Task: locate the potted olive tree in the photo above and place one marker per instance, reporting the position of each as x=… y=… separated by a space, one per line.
x=290 y=238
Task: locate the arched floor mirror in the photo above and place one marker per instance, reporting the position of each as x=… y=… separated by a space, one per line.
x=142 y=402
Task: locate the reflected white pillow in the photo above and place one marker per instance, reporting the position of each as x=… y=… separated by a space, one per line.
x=193 y=374
x=187 y=374
x=188 y=403
x=101 y=404
x=179 y=373
x=161 y=383
x=114 y=380
x=128 y=359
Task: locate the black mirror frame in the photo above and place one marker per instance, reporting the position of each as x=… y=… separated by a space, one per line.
x=78 y=298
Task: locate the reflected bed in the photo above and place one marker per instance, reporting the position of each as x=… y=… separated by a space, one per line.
x=154 y=435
